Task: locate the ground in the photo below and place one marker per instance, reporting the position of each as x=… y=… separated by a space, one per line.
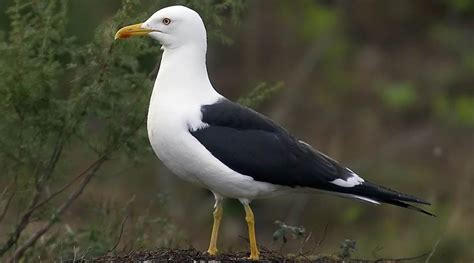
x=193 y=255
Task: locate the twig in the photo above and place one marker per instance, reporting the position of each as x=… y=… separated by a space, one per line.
x=323 y=237
x=318 y=243
x=120 y=235
x=5 y=190
x=433 y=250
x=400 y=259
x=24 y=221
x=57 y=152
x=7 y=205
x=88 y=143
x=9 y=199
x=69 y=184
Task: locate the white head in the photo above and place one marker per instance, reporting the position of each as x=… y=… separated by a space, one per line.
x=181 y=31
x=173 y=27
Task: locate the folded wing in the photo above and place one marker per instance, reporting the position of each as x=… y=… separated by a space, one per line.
x=253 y=145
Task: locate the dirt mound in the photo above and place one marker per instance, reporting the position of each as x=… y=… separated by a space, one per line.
x=193 y=255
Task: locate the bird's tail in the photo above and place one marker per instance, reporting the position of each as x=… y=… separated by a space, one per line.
x=368 y=191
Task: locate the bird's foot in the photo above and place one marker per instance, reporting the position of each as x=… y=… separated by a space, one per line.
x=212 y=251
x=254 y=256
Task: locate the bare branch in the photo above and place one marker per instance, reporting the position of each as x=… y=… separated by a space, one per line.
x=7 y=205
x=9 y=199
x=24 y=221
x=63 y=207
x=53 y=160
x=5 y=190
x=433 y=250
x=400 y=259
x=66 y=186
x=317 y=244
x=120 y=235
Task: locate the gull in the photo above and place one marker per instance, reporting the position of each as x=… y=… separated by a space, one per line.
x=232 y=150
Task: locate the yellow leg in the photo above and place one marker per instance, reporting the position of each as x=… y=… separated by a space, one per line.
x=254 y=253
x=215 y=229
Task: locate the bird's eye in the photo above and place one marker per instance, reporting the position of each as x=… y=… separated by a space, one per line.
x=166 y=21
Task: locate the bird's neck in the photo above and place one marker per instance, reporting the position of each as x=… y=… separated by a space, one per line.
x=183 y=72
x=181 y=88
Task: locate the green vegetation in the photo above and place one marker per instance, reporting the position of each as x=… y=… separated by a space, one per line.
x=58 y=95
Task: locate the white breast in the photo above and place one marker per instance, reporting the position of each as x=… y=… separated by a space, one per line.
x=169 y=137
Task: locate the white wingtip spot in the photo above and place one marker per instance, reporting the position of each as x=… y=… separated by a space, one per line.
x=349 y=182
x=366 y=199
x=197 y=126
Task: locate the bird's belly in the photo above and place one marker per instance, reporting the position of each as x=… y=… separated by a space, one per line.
x=170 y=149
x=186 y=157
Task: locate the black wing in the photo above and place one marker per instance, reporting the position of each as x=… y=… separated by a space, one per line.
x=253 y=145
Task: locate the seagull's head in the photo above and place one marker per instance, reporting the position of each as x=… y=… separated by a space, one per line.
x=173 y=27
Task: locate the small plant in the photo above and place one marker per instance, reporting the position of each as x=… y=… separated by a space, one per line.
x=284 y=230
x=260 y=94
x=347 y=247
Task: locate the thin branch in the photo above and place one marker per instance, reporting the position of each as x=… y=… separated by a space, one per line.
x=88 y=143
x=11 y=185
x=24 y=221
x=433 y=250
x=69 y=184
x=120 y=235
x=317 y=244
x=7 y=205
x=5 y=190
x=9 y=199
x=63 y=207
x=320 y=241
x=400 y=259
x=53 y=160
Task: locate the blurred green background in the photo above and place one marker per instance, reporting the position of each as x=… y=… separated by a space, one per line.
x=385 y=87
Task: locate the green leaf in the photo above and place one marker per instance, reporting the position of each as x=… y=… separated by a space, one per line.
x=399 y=96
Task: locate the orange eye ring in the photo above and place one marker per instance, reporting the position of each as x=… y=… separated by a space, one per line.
x=166 y=21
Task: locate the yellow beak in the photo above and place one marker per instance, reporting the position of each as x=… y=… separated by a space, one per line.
x=133 y=30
